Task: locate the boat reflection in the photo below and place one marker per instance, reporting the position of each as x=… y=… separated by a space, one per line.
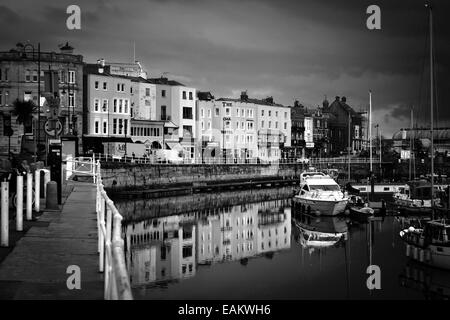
x=166 y=249
x=432 y=282
x=320 y=232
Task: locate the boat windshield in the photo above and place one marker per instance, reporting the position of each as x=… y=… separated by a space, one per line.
x=329 y=187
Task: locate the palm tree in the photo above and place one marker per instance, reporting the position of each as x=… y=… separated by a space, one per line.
x=24 y=111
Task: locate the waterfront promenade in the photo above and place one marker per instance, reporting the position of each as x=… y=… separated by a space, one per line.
x=36 y=267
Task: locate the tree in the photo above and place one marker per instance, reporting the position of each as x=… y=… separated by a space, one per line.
x=24 y=111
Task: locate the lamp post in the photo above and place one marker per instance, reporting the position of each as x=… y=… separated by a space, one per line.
x=39 y=92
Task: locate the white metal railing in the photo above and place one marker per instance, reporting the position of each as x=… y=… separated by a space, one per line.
x=221 y=160
x=110 y=244
x=80 y=166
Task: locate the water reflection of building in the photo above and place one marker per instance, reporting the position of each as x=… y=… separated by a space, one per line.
x=274 y=229
x=160 y=250
x=170 y=248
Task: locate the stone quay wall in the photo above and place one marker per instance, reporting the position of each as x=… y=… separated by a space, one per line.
x=126 y=176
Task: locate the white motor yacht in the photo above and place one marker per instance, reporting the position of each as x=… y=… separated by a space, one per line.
x=320 y=194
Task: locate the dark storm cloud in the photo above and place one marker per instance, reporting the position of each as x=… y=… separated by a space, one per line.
x=288 y=49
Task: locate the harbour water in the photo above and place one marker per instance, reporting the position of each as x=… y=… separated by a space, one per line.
x=256 y=244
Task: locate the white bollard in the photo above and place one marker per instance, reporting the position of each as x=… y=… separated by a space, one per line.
x=46 y=180
x=37 y=190
x=19 y=203
x=69 y=167
x=29 y=195
x=4 y=219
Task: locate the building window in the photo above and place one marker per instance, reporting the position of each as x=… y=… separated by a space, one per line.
x=285 y=115
x=147 y=92
x=242 y=113
x=115 y=105
x=72 y=99
x=114 y=126
x=35 y=76
x=187 y=113
x=163 y=93
x=285 y=126
x=184 y=95
x=237 y=112
x=96 y=104
x=209 y=113
x=270 y=124
x=262 y=124
x=187 y=131
x=203 y=125
x=125 y=102
x=163 y=112
x=190 y=96
x=96 y=126
x=217 y=112
x=120 y=126
x=96 y=85
x=120 y=105
x=276 y=114
x=105 y=87
x=227 y=124
x=262 y=113
x=27 y=75
x=105 y=105
x=209 y=125
x=105 y=127
x=187 y=251
x=202 y=112
x=276 y=124
x=71 y=76
x=61 y=76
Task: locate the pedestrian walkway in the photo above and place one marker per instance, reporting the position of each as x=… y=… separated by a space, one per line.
x=36 y=268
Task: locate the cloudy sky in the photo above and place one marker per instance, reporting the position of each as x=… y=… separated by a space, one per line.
x=286 y=49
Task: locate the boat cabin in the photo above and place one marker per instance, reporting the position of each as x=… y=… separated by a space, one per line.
x=437 y=232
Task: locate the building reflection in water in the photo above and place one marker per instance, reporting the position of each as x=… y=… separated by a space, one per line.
x=161 y=250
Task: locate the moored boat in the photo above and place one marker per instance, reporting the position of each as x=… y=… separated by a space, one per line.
x=320 y=194
x=429 y=245
x=416 y=198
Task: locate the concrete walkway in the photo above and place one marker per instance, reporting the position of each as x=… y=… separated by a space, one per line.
x=36 y=268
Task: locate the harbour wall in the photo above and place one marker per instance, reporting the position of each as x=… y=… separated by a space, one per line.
x=128 y=177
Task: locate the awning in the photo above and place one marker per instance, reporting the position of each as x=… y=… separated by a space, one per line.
x=170 y=124
x=108 y=139
x=174 y=146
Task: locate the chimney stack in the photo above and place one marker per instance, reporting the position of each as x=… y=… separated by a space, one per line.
x=244 y=96
x=269 y=100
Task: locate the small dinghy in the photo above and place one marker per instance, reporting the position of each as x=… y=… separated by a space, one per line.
x=361 y=213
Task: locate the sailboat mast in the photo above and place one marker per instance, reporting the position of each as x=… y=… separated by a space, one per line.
x=431 y=105
x=410 y=144
x=370 y=130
